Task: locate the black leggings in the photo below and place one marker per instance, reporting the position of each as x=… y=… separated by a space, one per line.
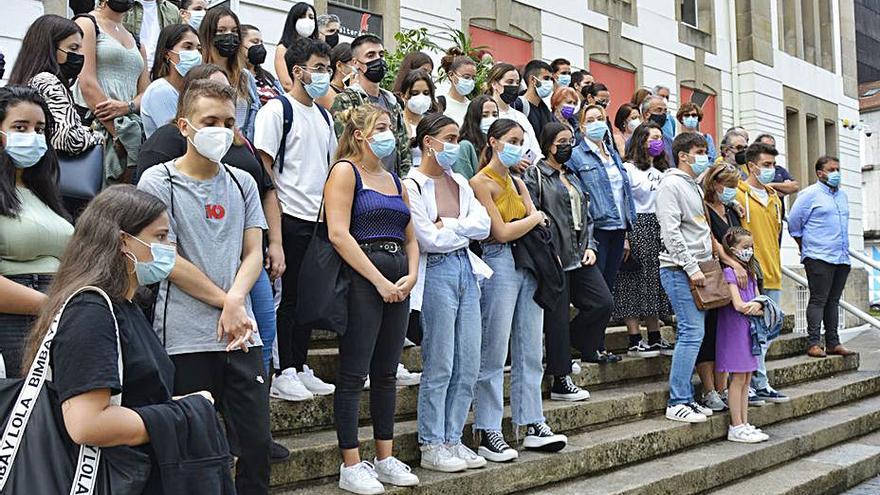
x=372 y=345
x=585 y=288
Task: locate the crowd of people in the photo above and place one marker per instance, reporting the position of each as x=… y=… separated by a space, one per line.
x=469 y=219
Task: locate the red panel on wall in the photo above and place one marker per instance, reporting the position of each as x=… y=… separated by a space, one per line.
x=709 y=124
x=620 y=82
x=504 y=48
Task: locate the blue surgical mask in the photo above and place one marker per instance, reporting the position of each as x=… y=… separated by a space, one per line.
x=319 y=85
x=448 y=156
x=728 y=195
x=195 y=18
x=510 y=155
x=25 y=148
x=766 y=175
x=691 y=122
x=151 y=272
x=596 y=130
x=383 y=144
x=544 y=88
x=833 y=179
x=486 y=123
x=564 y=80
x=464 y=86
x=701 y=163
x=188 y=60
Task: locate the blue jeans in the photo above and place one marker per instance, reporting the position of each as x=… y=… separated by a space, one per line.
x=450 y=347
x=510 y=315
x=690 y=327
x=263 y=304
x=759 y=377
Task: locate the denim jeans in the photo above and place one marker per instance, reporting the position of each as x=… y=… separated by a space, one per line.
x=690 y=328
x=263 y=304
x=450 y=347
x=510 y=315
x=759 y=377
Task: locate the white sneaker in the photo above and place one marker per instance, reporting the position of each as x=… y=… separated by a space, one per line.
x=705 y=411
x=360 y=478
x=742 y=434
x=405 y=377
x=470 y=458
x=757 y=431
x=440 y=458
x=575 y=367
x=314 y=384
x=287 y=386
x=394 y=472
x=685 y=414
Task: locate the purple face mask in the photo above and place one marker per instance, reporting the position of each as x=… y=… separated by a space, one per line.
x=656 y=148
x=568 y=110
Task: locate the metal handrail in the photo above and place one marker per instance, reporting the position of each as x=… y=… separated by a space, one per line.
x=849 y=308
x=864 y=259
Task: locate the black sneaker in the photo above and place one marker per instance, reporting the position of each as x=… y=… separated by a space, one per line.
x=611 y=357
x=278 y=453
x=564 y=389
x=601 y=357
x=494 y=448
x=642 y=350
x=665 y=348
x=539 y=436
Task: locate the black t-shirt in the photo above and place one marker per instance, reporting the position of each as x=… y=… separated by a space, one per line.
x=539 y=116
x=84 y=354
x=720 y=225
x=167 y=143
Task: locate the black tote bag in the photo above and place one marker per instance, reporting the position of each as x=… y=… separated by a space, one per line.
x=81 y=176
x=324 y=303
x=36 y=453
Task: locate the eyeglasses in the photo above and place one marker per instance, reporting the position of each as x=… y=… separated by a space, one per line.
x=320 y=69
x=691 y=115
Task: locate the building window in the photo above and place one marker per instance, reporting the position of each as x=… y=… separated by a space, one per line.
x=358 y=4
x=689 y=12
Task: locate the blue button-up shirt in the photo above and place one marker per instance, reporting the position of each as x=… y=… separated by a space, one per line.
x=820 y=217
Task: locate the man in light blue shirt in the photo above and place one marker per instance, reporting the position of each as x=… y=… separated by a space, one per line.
x=818 y=223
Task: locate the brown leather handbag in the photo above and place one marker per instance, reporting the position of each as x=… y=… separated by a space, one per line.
x=714 y=293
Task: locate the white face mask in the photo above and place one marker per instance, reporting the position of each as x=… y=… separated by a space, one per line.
x=212 y=142
x=305 y=27
x=633 y=123
x=419 y=104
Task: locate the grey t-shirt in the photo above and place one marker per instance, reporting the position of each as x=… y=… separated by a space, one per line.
x=208 y=221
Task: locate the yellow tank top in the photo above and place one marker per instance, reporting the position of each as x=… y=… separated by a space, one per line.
x=509 y=202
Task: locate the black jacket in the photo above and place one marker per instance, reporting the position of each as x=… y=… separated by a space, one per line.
x=190 y=447
x=551 y=196
x=535 y=252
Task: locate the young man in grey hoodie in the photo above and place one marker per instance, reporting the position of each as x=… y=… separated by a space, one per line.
x=687 y=241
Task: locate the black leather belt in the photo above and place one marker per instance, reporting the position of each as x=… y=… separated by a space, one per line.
x=387 y=246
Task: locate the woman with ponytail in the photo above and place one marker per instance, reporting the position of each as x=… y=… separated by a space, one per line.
x=462 y=74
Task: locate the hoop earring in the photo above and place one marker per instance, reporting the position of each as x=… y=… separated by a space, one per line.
x=133 y=259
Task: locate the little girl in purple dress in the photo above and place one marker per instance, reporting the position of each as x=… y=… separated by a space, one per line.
x=733 y=347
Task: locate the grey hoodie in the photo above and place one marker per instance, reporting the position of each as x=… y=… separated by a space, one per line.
x=684 y=228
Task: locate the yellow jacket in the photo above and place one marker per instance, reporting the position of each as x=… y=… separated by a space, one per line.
x=765 y=224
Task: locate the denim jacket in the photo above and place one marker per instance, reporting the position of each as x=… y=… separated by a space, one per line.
x=247 y=127
x=590 y=171
x=551 y=196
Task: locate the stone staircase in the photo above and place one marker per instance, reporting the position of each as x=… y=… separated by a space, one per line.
x=826 y=439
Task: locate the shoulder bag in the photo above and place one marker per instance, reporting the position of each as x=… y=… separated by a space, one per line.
x=81 y=176
x=714 y=293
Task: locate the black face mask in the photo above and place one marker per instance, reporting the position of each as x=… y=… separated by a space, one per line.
x=563 y=153
x=511 y=91
x=227 y=44
x=376 y=70
x=73 y=66
x=256 y=54
x=659 y=119
x=120 y=6
x=740 y=157
x=332 y=39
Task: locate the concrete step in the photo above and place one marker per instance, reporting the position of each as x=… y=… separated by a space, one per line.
x=318 y=412
x=315 y=455
x=827 y=472
x=706 y=467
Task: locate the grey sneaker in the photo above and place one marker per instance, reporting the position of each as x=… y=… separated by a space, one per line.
x=713 y=401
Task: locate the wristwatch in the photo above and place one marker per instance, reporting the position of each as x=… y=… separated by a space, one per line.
x=131 y=107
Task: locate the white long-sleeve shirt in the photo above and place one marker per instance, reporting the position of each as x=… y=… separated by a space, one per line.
x=472 y=224
x=644 y=185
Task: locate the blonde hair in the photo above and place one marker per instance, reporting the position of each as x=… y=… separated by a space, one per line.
x=721 y=173
x=586 y=109
x=363 y=118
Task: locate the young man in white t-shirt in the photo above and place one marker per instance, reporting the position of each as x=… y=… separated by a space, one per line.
x=299 y=181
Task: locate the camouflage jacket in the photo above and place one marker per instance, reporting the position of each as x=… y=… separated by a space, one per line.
x=354 y=96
